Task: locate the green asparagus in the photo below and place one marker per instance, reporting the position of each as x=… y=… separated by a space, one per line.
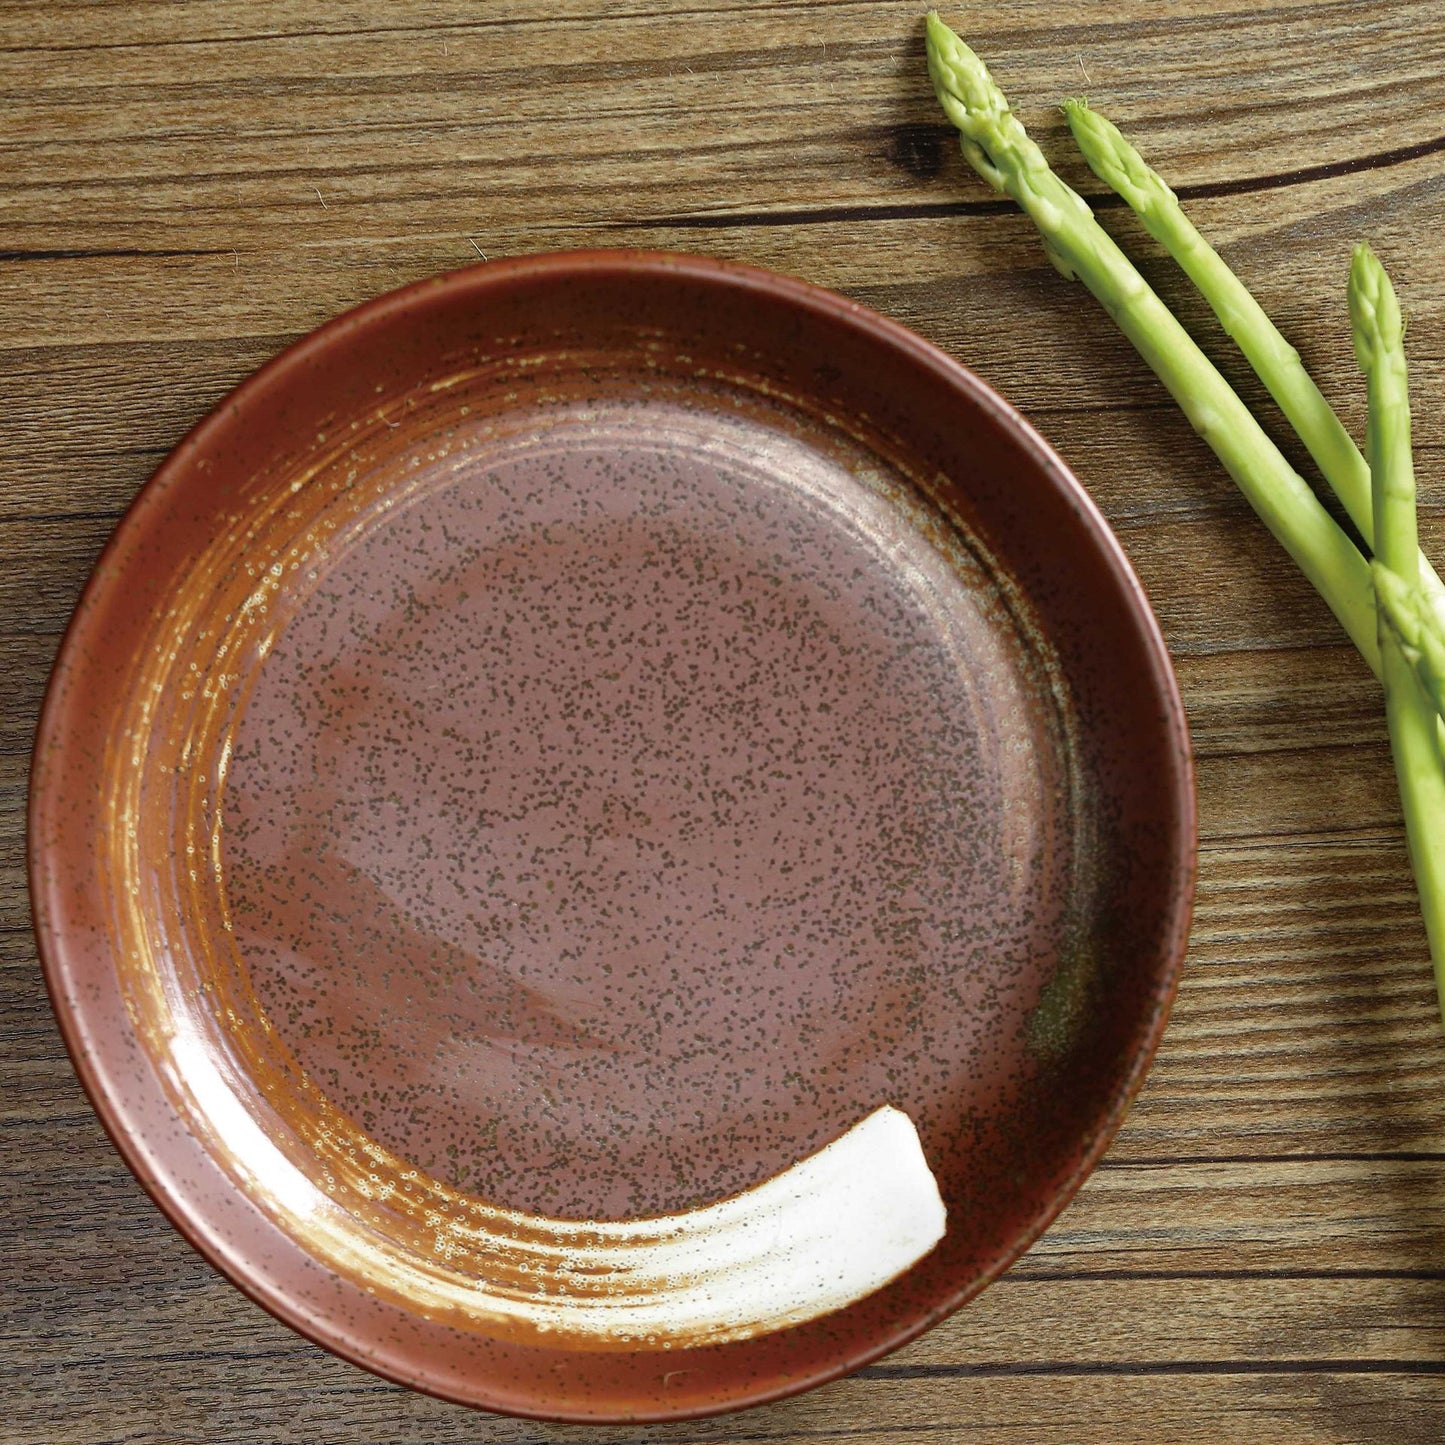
x=1417 y=612
x=1409 y=712
x=997 y=146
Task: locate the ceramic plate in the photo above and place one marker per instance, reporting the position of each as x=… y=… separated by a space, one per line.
x=560 y=747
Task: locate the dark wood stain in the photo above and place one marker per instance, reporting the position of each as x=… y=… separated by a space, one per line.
x=919 y=149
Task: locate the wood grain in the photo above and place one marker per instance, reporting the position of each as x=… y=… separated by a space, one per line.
x=185 y=188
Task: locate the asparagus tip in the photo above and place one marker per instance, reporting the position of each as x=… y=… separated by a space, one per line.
x=939 y=39
x=1375 y=319
x=969 y=97
x=1112 y=158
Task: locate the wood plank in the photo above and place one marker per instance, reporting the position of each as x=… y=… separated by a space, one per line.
x=25 y=662
x=251 y=1393
x=974 y=264
x=1268 y=1218
x=1041 y=1319
x=99 y=419
x=447 y=103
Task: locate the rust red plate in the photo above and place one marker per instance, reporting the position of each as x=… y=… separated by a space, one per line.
x=569 y=739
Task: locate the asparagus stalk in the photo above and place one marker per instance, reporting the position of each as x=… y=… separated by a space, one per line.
x=1417 y=612
x=1410 y=714
x=999 y=149
x=1274 y=360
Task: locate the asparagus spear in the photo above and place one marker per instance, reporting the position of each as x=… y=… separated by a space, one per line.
x=1417 y=612
x=1274 y=360
x=999 y=149
x=1419 y=766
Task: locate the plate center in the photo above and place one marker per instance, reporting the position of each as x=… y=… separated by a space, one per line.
x=643 y=801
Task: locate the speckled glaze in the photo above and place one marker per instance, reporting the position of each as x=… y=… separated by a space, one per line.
x=564 y=742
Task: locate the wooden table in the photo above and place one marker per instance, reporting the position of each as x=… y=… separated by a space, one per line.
x=188 y=187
